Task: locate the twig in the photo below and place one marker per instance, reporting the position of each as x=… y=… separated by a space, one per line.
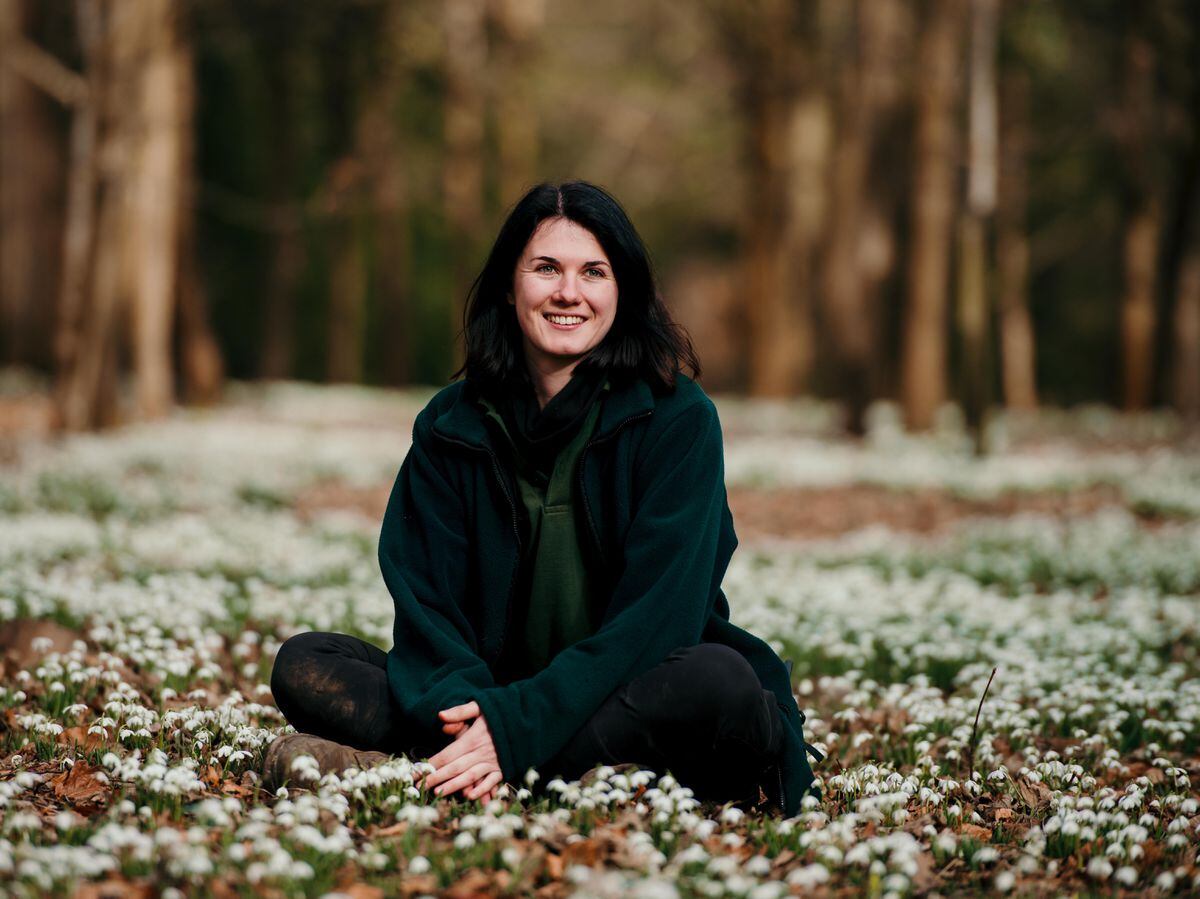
x=975 y=726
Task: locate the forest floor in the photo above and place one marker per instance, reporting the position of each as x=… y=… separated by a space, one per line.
x=148 y=575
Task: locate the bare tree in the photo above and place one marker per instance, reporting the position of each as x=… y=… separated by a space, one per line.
x=923 y=362
x=31 y=170
x=465 y=38
x=382 y=150
x=771 y=43
x=1143 y=222
x=858 y=235
x=974 y=302
x=130 y=143
x=347 y=280
x=1017 y=340
x=514 y=52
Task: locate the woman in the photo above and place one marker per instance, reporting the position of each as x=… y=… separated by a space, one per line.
x=555 y=543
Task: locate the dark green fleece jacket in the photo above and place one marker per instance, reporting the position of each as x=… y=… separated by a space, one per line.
x=656 y=518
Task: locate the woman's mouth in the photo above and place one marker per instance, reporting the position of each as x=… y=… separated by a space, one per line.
x=564 y=322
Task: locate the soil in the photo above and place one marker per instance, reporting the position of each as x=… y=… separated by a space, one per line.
x=807 y=513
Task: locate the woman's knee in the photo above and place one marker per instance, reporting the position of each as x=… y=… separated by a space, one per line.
x=295 y=661
x=719 y=673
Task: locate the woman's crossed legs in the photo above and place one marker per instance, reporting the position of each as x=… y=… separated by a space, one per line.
x=701 y=713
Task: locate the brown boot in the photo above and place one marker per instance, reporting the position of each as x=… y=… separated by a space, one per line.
x=330 y=756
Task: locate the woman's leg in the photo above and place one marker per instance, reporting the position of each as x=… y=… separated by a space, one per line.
x=336 y=686
x=702 y=713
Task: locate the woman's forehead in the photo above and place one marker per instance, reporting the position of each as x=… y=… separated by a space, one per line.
x=564 y=239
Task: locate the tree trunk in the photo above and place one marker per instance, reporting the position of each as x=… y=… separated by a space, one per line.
x=462 y=165
x=974 y=305
x=286 y=262
x=30 y=217
x=201 y=368
x=865 y=69
x=382 y=152
x=1186 y=372
x=1140 y=256
x=347 y=296
x=777 y=306
x=770 y=43
x=156 y=196
x=923 y=363
x=1143 y=225
x=86 y=339
x=1017 y=342
x=518 y=26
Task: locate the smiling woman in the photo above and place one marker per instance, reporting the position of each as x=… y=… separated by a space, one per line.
x=555 y=543
x=565 y=297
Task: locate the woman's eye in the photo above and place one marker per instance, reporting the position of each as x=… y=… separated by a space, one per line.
x=544 y=266
x=596 y=272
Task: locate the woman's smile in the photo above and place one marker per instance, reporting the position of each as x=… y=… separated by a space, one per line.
x=564 y=322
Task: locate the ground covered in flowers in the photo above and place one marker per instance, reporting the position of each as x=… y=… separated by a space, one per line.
x=148 y=576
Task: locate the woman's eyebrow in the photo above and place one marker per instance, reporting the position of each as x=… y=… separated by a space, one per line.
x=556 y=262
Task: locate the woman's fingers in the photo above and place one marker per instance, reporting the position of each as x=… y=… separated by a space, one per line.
x=460 y=712
x=466 y=779
x=484 y=789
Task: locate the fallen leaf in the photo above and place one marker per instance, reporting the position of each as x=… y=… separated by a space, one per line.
x=80 y=785
x=475 y=884
x=79 y=736
x=392 y=830
x=974 y=831
x=1003 y=814
x=583 y=852
x=361 y=891
x=113 y=889
x=1034 y=793
x=416 y=884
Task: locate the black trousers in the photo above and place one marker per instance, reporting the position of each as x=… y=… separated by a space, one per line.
x=701 y=713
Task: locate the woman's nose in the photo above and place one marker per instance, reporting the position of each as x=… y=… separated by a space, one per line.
x=568 y=289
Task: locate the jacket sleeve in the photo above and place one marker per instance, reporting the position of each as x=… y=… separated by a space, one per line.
x=661 y=601
x=434 y=662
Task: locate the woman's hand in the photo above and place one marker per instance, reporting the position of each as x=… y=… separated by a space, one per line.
x=469 y=763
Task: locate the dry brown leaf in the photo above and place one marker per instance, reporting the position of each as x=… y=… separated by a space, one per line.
x=1034 y=793
x=113 y=889
x=79 y=785
x=1003 y=814
x=392 y=830
x=554 y=866
x=416 y=884
x=782 y=860
x=584 y=852
x=361 y=891
x=220 y=888
x=79 y=736
x=974 y=831
x=475 y=884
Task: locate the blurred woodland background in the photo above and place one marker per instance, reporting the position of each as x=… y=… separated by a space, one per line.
x=981 y=201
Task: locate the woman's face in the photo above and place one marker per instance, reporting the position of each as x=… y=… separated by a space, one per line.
x=564 y=293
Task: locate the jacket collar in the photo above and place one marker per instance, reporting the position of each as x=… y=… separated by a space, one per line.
x=464 y=421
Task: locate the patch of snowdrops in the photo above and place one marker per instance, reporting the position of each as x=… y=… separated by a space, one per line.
x=174 y=553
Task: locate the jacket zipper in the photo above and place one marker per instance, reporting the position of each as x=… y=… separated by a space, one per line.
x=583 y=493
x=516 y=532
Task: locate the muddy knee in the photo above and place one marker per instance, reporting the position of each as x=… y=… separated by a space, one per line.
x=296 y=673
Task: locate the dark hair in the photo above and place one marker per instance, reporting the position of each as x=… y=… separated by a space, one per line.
x=643 y=340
